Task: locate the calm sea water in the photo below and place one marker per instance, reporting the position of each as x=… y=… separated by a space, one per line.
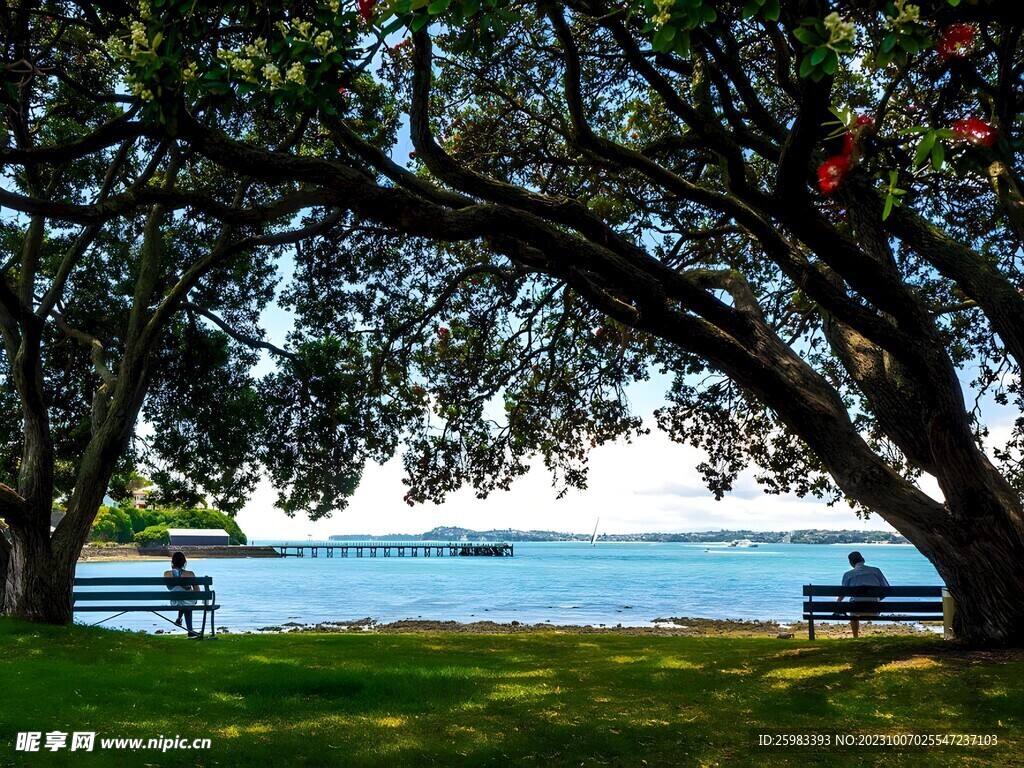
x=561 y=582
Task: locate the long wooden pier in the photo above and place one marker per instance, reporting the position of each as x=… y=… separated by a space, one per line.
x=393 y=548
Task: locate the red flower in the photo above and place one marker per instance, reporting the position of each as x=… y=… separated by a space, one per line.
x=865 y=120
x=956 y=41
x=442 y=331
x=832 y=172
x=849 y=144
x=366 y=8
x=976 y=131
x=343 y=91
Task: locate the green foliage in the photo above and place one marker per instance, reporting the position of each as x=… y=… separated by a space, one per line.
x=141 y=518
x=906 y=35
x=930 y=149
x=893 y=193
x=125 y=481
x=824 y=40
x=475 y=24
x=769 y=9
x=127 y=524
x=112 y=524
x=208 y=417
x=297 y=59
x=152 y=536
x=672 y=22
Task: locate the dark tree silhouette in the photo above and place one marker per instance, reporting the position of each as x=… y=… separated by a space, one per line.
x=809 y=212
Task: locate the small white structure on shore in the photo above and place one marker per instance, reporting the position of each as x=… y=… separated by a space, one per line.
x=198 y=536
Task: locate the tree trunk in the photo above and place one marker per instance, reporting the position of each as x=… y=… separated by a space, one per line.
x=5 y=558
x=984 y=572
x=38 y=583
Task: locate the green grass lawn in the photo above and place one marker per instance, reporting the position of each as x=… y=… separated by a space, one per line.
x=530 y=699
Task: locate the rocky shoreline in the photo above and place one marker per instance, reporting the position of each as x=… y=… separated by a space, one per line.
x=126 y=553
x=680 y=626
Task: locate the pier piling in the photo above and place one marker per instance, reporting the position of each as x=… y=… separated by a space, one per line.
x=415 y=549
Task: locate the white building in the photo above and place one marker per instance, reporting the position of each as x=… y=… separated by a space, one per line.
x=198 y=536
x=140 y=496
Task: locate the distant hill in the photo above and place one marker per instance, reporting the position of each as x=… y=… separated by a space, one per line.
x=809 y=536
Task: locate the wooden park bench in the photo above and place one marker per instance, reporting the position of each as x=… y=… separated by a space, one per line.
x=128 y=598
x=886 y=610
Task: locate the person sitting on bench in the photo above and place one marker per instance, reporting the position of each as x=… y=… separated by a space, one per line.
x=862 y=576
x=178 y=571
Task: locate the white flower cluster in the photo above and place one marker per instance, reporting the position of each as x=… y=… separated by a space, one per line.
x=296 y=73
x=253 y=61
x=139 y=36
x=116 y=47
x=272 y=74
x=137 y=47
x=247 y=63
x=906 y=13
x=140 y=90
x=664 y=14
x=251 y=64
x=839 y=31
x=256 y=49
x=323 y=41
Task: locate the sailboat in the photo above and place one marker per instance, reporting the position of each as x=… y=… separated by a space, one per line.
x=593 y=539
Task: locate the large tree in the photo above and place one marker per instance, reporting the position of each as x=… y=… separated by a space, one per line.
x=809 y=212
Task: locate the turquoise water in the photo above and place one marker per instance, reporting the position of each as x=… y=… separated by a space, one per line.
x=561 y=582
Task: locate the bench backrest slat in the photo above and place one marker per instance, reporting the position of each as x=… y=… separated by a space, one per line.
x=886 y=606
x=143 y=607
x=144 y=581
x=825 y=590
x=166 y=595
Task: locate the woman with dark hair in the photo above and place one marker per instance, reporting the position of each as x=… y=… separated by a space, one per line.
x=178 y=571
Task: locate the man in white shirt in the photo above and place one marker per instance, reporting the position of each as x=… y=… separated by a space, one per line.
x=862 y=576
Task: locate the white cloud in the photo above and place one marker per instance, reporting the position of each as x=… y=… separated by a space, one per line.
x=647 y=485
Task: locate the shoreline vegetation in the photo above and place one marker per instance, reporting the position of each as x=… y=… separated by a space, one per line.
x=513 y=535
x=534 y=698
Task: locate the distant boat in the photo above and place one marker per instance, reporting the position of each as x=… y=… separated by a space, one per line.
x=593 y=539
x=744 y=544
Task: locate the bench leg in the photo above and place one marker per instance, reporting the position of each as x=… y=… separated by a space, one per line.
x=202 y=629
x=810 y=628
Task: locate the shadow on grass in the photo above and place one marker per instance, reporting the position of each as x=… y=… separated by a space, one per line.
x=477 y=700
